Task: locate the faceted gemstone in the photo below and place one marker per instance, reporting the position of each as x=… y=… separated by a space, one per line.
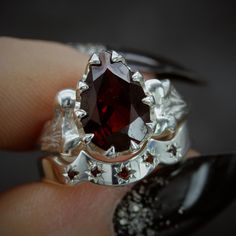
x=116 y=114
x=95 y=171
x=124 y=173
x=72 y=173
x=172 y=150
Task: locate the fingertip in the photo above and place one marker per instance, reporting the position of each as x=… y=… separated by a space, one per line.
x=32 y=72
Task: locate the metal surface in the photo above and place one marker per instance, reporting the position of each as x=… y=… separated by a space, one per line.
x=56 y=168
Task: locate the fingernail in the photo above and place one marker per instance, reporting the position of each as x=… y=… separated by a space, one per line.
x=178 y=199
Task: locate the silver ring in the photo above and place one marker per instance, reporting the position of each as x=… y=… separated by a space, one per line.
x=115 y=128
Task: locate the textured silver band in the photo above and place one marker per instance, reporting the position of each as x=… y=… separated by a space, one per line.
x=83 y=165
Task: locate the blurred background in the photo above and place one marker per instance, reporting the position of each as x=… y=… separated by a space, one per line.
x=200 y=35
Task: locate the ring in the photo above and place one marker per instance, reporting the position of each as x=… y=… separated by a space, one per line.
x=115 y=128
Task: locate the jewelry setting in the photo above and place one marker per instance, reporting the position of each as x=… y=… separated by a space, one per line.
x=114 y=113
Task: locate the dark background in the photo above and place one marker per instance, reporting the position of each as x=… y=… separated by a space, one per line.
x=199 y=34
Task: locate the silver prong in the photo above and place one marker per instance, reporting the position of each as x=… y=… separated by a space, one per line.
x=82 y=86
x=134 y=146
x=66 y=99
x=137 y=77
x=111 y=152
x=71 y=144
x=115 y=57
x=87 y=138
x=80 y=113
x=149 y=100
x=94 y=60
x=151 y=126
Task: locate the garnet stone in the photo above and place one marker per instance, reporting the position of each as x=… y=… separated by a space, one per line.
x=149 y=159
x=95 y=171
x=72 y=173
x=124 y=173
x=116 y=114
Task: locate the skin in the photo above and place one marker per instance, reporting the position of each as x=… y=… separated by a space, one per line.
x=32 y=72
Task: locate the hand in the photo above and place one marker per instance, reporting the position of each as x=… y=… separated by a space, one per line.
x=32 y=72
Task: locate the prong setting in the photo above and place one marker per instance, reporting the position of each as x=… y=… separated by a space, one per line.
x=94 y=60
x=149 y=100
x=66 y=99
x=88 y=138
x=82 y=86
x=160 y=141
x=137 y=77
x=134 y=146
x=80 y=113
x=111 y=152
x=115 y=57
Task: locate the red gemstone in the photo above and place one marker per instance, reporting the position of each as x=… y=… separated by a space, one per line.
x=95 y=171
x=116 y=114
x=72 y=173
x=149 y=159
x=124 y=173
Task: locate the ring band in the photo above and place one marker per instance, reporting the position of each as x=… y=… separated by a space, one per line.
x=115 y=128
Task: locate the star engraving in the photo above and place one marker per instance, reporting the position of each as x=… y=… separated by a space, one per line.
x=124 y=173
x=95 y=172
x=174 y=150
x=71 y=174
x=150 y=160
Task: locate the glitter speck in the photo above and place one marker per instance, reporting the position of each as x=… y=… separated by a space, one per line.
x=135 y=208
x=180 y=211
x=123 y=222
x=167 y=222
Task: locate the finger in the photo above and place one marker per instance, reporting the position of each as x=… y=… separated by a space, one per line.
x=47 y=209
x=43 y=69
x=178 y=200
x=32 y=72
